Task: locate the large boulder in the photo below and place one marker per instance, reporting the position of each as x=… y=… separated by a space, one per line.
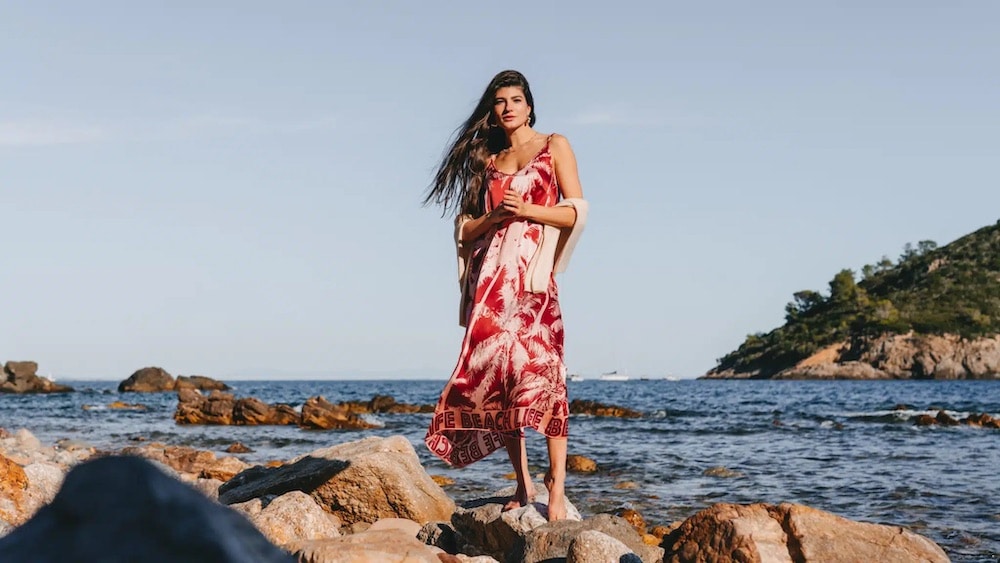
x=590 y=545
x=148 y=380
x=250 y=411
x=291 y=517
x=123 y=509
x=360 y=481
x=762 y=533
x=21 y=377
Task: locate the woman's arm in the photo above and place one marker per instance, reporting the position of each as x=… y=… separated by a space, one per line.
x=475 y=228
x=568 y=179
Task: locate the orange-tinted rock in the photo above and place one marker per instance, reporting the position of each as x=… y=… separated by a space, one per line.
x=13 y=483
x=442 y=481
x=238 y=448
x=318 y=413
x=580 y=464
x=634 y=518
x=195 y=408
x=946 y=419
x=925 y=420
x=121 y=405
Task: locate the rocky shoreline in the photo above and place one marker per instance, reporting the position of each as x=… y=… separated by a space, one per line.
x=371 y=500
x=889 y=356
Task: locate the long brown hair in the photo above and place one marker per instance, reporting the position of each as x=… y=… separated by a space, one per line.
x=458 y=184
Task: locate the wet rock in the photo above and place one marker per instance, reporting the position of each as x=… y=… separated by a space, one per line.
x=21 y=377
x=593 y=408
x=377 y=546
x=195 y=408
x=626 y=485
x=590 y=546
x=147 y=380
x=442 y=480
x=552 y=540
x=925 y=420
x=361 y=481
x=580 y=464
x=946 y=419
x=761 y=533
x=121 y=405
x=123 y=509
x=293 y=516
x=634 y=518
x=200 y=383
x=251 y=411
x=318 y=413
x=238 y=448
x=722 y=472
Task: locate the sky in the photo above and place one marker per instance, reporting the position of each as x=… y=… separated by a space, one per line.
x=233 y=189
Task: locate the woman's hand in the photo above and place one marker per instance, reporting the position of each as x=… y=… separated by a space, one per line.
x=514 y=204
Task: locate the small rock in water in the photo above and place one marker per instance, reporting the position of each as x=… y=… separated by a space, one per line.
x=121 y=405
x=626 y=485
x=442 y=481
x=510 y=476
x=946 y=419
x=723 y=472
x=634 y=518
x=238 y=448
x=580 y=464
x=925 y=420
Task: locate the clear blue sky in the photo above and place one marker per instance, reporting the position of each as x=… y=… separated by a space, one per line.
x=233 y=188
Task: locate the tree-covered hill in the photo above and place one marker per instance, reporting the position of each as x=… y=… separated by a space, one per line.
x=953 y=290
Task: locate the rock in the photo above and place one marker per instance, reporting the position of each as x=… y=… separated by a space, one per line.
x=945 y=419
x=238 y=448
x=293 y=516
x=207 y=487
x=195 y=408
x=192 y=462
x=441 y=535
x=590 y=546
x=841 y=370
x=147 y=380
x=925 y=420
x=200 y=383
x=408 y=527
x=723 y=472
x=361 y=481
x=20 y=377
x=251 y=411
x=593 y=408
x=442 y=480
x=760 y=533
x=121 y=405
x=488 y=529
x=660 y=531
x=377 y=546
x=626 y=485
x=123 y=509
x=552 y=540
x=318 y=413
x=634 y=518
x=13 y=483
x=580 y=464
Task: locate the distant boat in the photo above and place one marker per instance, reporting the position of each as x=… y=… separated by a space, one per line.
x=575 y=377
x=613 y=376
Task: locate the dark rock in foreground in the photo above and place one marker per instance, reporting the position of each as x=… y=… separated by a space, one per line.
x=123 y=509
x=21 y=377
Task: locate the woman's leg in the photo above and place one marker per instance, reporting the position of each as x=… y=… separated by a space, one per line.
x=555 y=479
x=518 y=454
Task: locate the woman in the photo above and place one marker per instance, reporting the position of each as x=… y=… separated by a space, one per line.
x=505 y=181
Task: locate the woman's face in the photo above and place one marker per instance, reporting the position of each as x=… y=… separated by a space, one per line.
x=510 y=108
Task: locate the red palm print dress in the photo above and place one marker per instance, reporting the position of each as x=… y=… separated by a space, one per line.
x=510 y=373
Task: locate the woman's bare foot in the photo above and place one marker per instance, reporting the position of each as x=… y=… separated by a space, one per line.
x=557 y=497
x=522 y=497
